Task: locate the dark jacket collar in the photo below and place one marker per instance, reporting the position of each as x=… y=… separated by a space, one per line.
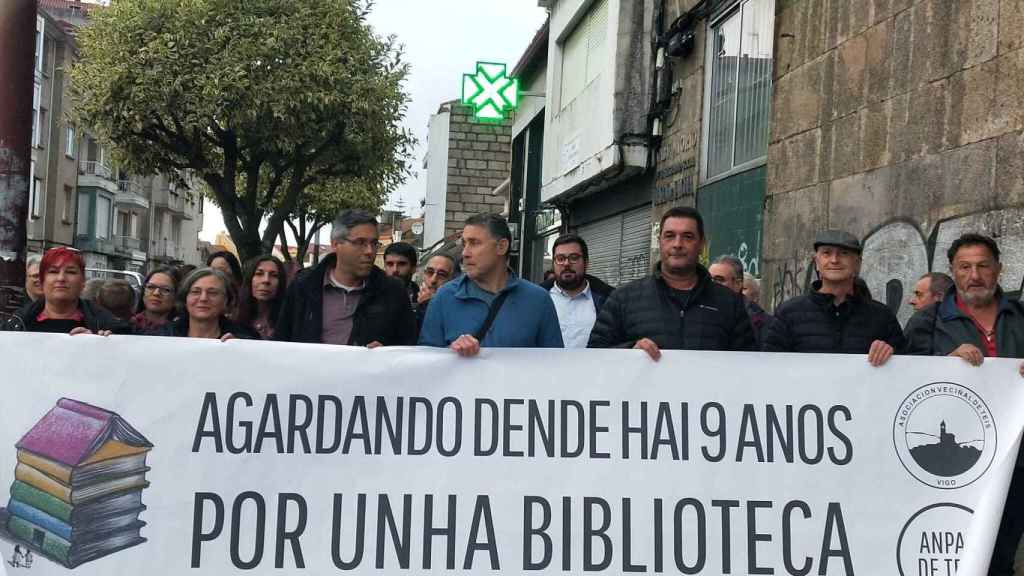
x=597 y=286
x=703 y=279
x=179 y=327
x=92 y=314
x=823 y=298
x=313 y=281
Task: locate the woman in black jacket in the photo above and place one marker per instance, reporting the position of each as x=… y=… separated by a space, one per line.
x=61 y=310
x=205 y=296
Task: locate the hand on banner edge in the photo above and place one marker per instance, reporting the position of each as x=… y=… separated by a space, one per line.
x=82 y=330
x=466 y=346
x=879 y=353
x=970 y=353
x=649 y=346
x=228 y=336
x=374 y=344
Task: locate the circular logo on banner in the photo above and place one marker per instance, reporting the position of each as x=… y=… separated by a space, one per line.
x=932 y=540
x=945 y=435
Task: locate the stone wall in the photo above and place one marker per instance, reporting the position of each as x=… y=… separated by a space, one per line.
x=900 y=121
x=479 y=160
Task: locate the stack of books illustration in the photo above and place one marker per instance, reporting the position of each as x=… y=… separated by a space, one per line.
x=77 y=494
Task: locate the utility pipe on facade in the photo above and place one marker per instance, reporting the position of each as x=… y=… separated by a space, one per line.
x=17 y=48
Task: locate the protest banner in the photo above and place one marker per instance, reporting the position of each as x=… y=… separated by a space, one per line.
x=170 y=456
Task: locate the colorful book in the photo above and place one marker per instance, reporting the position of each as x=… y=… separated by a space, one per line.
x=73 y=436
x=72 y=554
x=74 y=496
x=113 y=459
x=111 y=505
x=78 y=531
x=77 y=494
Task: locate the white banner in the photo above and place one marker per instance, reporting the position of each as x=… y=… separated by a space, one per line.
x=162 y=456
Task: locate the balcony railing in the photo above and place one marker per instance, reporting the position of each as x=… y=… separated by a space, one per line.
x=166 y=249
x=128 y=187
x=129 y=192
x=171 y=202
x=128 y=243
x=93 y=168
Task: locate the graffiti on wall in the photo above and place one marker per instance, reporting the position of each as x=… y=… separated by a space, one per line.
x=898 y=253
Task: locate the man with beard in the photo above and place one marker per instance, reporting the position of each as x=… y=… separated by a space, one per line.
x=973 y=321
x=679 y=307
x=400 y=262
x=578 y=296
x=837 y=317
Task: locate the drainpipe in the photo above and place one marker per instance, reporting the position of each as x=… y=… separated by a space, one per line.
x=17 y=48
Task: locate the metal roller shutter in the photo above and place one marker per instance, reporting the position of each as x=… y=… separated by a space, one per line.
x=620 y=246
x=603 y=239
x=635 y=254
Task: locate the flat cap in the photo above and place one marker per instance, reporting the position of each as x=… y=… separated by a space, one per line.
x=838 y=238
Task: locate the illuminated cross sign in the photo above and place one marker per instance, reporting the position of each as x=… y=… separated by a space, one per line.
x=490 y=92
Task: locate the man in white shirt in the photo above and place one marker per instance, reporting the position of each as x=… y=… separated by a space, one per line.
x=577 y=296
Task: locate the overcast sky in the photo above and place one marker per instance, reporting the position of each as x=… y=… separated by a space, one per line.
x=443 y=39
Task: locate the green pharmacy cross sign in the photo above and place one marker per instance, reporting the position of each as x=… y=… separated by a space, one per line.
x=490 y=92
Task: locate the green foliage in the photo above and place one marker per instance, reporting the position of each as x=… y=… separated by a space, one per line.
x=276 y=104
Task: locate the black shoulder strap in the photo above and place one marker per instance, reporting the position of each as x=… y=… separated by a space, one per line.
x=496 y=305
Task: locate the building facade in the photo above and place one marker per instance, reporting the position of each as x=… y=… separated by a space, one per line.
x=902 y=122
x=467 y=161
x=598 y=136
x=78 y=196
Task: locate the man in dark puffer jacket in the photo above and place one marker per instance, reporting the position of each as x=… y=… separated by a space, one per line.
x=679 y=307
x=835 y=317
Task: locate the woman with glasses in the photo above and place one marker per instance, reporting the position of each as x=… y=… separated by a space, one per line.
x=62 y=310
x=263 y=290
x=205 y=296
x=157 y=305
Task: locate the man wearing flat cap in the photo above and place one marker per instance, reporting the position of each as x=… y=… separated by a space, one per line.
x=835 y=317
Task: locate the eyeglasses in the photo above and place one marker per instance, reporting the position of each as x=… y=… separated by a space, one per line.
x=156 y=289
x=363 y=243
x=428 y=271
x=563 y=258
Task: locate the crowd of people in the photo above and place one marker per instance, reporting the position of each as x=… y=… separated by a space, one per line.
x=474 y=300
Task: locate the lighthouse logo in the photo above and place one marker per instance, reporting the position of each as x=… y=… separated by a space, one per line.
x=944 y=435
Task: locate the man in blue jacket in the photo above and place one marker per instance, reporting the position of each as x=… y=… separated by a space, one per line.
x=488 y=305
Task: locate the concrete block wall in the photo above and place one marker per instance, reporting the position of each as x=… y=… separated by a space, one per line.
x=900 y=121
x=479 y=160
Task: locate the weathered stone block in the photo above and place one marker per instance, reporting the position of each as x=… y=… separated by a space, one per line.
x=1010 y=168
x=797 y=102
x=496 y=165
x=860 y=202
x=790 y=44
x=837 y=23
x=970 y=177
x=875 y=135
x=902 y=47
x=917 y=186
x=879 y=61
x=926 y=120
x=792 y=219
x=979 y=30
x=814 y=29
x=898 y=116
x=846 y=146
x=983 y=114
x=850 y=76
x=1011 y=25
x=793 y=162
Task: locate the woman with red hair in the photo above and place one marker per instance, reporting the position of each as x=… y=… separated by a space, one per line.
x=61 y=309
